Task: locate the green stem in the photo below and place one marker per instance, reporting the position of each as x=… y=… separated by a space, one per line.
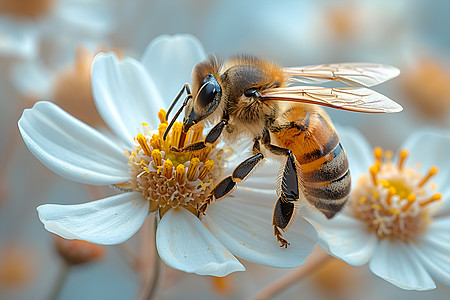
x=60 y=281
x=156 y=268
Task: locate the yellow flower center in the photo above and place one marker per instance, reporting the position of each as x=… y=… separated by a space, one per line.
x=392 y=200
x=167 y=178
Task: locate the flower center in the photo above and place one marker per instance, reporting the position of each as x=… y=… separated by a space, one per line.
x=394 y=201
x=167 y=178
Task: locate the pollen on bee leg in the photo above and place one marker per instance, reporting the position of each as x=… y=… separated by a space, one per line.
x=403 y=155
x=193 y=166
x=431 y=172
x=143 y=142
x=167 y=169
x=157 y=157
x=433 y=198
x=162 y=116
x=209 y=164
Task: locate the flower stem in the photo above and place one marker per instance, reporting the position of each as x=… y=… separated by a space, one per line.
x=60 y=281
x=299 y=273
x=150 y=289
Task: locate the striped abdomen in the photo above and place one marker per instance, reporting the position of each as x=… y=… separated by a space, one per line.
x=324 y=164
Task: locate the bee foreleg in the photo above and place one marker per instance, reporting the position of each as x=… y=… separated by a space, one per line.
x=242 y=171
x=210 y=138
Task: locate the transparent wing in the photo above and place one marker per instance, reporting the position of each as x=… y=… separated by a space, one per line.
x=366 y=74
x=352 y=99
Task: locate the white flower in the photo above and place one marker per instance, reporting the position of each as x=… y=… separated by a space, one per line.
x=129 y=95
x=395 y=220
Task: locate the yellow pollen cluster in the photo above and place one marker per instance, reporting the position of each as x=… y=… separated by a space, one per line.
x=169 y=178
x=393 y=200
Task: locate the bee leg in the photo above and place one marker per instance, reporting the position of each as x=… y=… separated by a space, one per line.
x=288 y=190
x=242 y=171
x=210 y=138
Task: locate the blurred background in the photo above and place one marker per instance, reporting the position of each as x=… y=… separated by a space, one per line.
x=46 y=47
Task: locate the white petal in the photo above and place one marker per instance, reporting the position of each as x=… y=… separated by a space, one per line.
x=357 y=148
x=125 y=95
x=185 y=244
x=170 y=60
x=396 y=263
x=71 y=148
x=430 y=147
x=109 y=221
x=243 y=223
x=434 y=250
x=345 y=238
x=18 y=38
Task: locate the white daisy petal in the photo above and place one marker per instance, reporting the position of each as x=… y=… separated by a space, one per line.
x=185 y=244
x=71 y=148
x=125 y=95
x=357 y=148
x=243 y=223
x=109 y=221
x=345 y=238
x=433 y=250
x=429 y=148
x=170 y=59
x=395 y=262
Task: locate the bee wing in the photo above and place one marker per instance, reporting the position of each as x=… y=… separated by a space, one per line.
x=366 y=74
x=352 y=99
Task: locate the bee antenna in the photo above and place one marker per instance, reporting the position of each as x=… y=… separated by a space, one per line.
x=175 y=117
x=172 y=105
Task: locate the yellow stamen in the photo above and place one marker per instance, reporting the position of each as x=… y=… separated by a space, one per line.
x=433 y=198
x=143 y=142
x=394 y=211
x=167 y=169
x=192 y=168
x=179 y=176
x=391 y=192
x=403 y=155
x=373 y=172
x=209 y=164
x=161 y=129
x=176 y=133
x=145 y=124
x=378 y=153
x=411 y=199
x=156 y=142
x=362 y=200
x=388 y=154
x=431 y=172
x=377 y=207
x=162 y=116
x=157 y=157
x=197 y=133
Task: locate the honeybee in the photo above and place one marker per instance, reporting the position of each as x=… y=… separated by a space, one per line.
x=253 y=98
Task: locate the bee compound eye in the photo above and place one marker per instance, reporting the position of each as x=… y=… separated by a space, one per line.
x=207 y=94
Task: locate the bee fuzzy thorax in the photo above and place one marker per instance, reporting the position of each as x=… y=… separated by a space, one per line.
x=167 y=178
x=395 y=201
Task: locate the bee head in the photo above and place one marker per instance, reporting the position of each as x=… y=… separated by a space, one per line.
x=204 y=103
